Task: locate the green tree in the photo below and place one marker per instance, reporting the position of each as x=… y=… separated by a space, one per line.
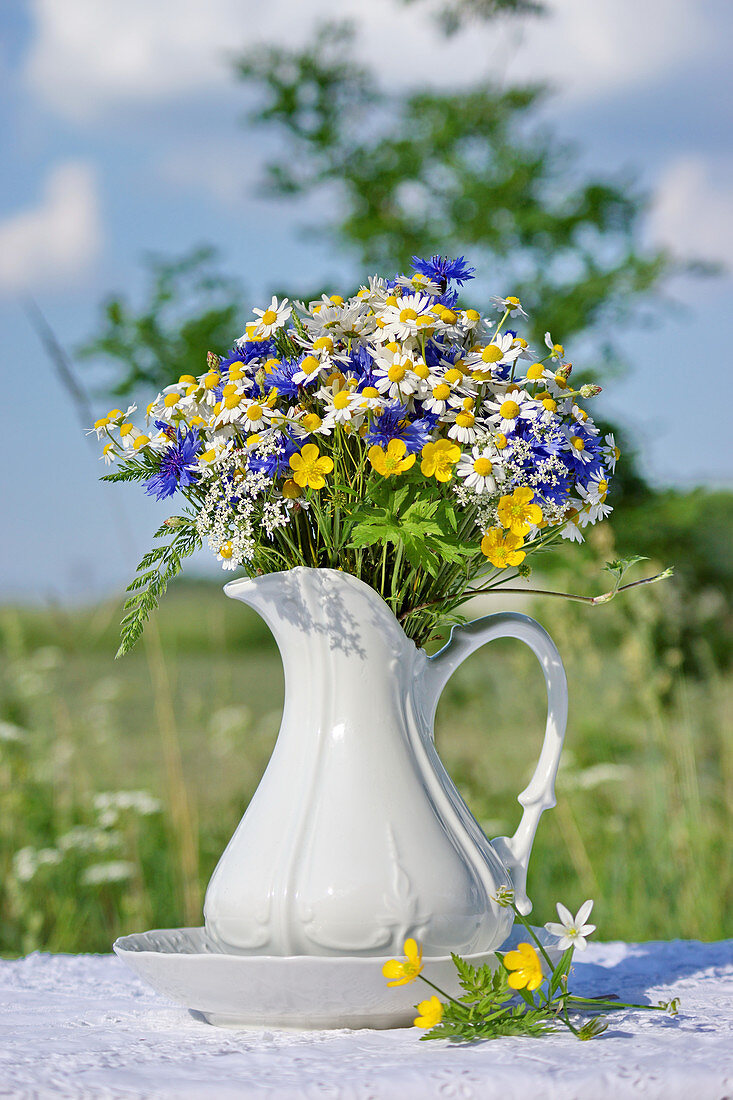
x=190 y=308
x=428 y=171
x=456 y=171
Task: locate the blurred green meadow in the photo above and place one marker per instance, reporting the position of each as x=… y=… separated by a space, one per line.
x=121 y=781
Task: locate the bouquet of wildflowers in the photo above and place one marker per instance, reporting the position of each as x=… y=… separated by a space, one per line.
x=399 y=434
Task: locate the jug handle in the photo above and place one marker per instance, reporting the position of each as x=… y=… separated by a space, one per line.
x=539 y=795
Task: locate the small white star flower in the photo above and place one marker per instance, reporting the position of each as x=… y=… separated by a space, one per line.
x=572 y=930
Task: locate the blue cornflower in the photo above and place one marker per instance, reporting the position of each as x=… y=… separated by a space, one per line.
x=247 y=351
x=361 y=366
x=440 y=269
x=178 y=468
x=435 y=352
x=449 y=299
x=394 y=423
x=277 y=464
x=282 y=377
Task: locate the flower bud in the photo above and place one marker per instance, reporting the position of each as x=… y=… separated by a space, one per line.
x=589 y=391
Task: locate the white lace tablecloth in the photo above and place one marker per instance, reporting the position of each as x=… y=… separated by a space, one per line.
x=85 y=1026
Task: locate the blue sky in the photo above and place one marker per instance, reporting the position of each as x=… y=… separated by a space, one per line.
x=121 y=134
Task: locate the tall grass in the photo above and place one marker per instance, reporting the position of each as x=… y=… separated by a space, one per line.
x=121 y=782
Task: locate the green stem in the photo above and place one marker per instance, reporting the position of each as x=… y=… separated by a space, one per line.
x=525 y=922
x=439 y=990
x=600 y=1002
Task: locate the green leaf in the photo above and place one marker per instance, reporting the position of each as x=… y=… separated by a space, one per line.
x=150 y=584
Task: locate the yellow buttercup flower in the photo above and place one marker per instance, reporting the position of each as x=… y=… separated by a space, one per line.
x=431 y=1013
x=401 y=973
x=438 y=459
x=310 y=466
x=502 y=549
x=290 y=490
x=392 y=461
x=526 y=967
x=517 y=513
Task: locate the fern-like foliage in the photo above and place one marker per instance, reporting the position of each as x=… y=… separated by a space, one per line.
x=139 y=468
x=159 y=566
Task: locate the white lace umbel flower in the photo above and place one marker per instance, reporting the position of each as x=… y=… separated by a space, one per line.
x=27 y=861
x=482 y=469
x=139 y=802
x=572 y=930
x=272 y=318
x=115 y=870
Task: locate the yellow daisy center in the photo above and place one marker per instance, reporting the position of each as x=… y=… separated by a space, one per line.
x=483 y=467
x=491 y=353
x=509 y=410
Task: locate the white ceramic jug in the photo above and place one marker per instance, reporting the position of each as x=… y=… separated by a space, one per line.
x=356 y=838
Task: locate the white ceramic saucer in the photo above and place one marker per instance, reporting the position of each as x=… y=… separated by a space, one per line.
x=297 y=991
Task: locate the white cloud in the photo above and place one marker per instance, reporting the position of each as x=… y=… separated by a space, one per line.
x=58 y=239
x=87 y=57
x=692 y=214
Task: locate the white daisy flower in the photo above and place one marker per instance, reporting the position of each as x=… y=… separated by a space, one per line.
x=611 y=453
x=572 y=930
x=419 y=282
x=557 y=351
x=225 y=555
x=464 y=428
x=305 y=423
x=311 y=367
x=255 y=416
x=442 y=388
x=594 y=495
x=536 y=372
x=577 y=447
x=342 y=406
x=482 y=469
x=395 y=377
x=272 y=318
x=411 y=315
x=510 y=303
x=499 y=351
x=228 y=410
x=581 y=416
x=515 y=405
